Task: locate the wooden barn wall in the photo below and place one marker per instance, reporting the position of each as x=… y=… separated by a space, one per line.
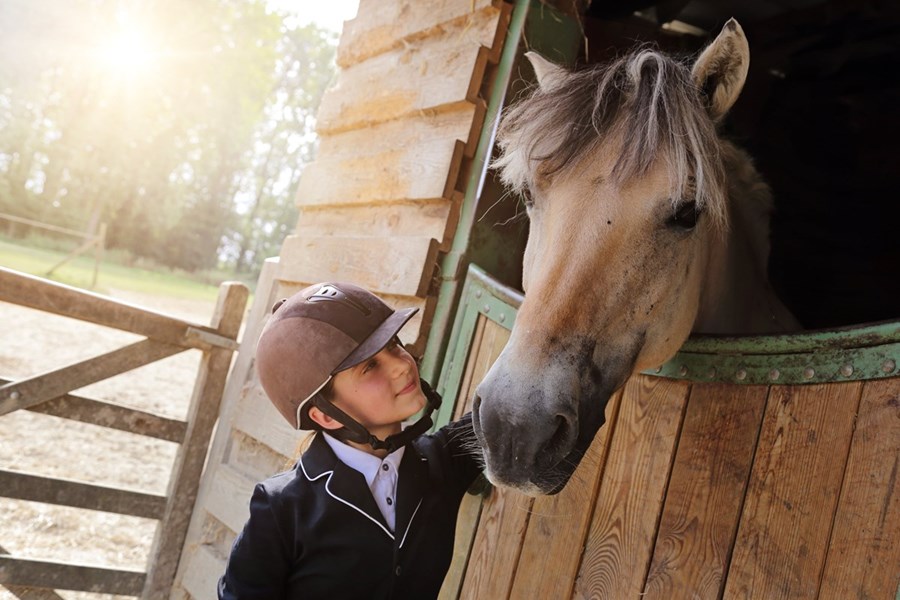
x=700 y=490
x=377 y=207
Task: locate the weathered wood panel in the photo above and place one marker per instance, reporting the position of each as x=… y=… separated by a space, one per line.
x=229 y=498
x=414 y=158
x=498 y=542
x=620 y=542
x=381 y=25
x=400 y=266
x=706 y=491
x=559 y=524
x=433 y=218
x=61 y=576
x=441 y=72
x=864 y=551
x=793 y=490
x=39 y=488
x=202 y=577
x=257 y=418
x=47 y=386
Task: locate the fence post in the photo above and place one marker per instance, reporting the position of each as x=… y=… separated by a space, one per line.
x=191 y=456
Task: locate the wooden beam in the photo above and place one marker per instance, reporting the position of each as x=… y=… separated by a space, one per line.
x=30 y=593
x=400 y=265
x=202 y=414
x=66 y=492
x=49 y=296
x=434 y=73
x=53 y=384
x=61 y=576
x=381 y=26
x=111 y=415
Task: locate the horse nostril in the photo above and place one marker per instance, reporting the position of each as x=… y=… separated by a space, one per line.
x=559 y=440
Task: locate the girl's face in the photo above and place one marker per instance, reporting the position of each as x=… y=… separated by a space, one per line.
x=382 y=391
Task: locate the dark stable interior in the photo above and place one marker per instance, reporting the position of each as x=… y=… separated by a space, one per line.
x=820 y=114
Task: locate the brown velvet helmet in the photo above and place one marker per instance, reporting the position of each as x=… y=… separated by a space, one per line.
x=315 y=334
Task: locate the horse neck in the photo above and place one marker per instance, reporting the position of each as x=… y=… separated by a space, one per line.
x=737 y=297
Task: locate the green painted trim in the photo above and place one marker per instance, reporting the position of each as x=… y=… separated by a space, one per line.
x=848 y=354
x=481 y=296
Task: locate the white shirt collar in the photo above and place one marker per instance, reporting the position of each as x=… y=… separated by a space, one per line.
x=365 y=463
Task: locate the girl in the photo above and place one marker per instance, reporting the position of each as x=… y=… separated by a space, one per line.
x=369 y=510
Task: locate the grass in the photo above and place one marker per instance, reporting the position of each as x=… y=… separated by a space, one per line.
x=79 y=272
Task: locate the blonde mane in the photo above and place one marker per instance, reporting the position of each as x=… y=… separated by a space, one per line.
x=645 y=99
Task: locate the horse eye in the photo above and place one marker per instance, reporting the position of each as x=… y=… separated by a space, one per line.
x=686 y=216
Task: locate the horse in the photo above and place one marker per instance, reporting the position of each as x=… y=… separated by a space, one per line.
x=645 y=225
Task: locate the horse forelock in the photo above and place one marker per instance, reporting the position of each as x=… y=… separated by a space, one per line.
x=645 y=100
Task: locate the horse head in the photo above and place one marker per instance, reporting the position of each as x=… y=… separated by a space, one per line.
x=624 y=176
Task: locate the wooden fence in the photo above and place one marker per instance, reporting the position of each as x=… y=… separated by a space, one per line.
x=49 y=393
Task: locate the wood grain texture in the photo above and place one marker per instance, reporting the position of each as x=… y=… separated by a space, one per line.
x=399 y=265
x=437 y=73
x=412 y=158
x=559 y=524
x=623 y=528
x=706 y=491
x=386 y=25
x=436 y=219
x=794 y=486
x=203 y=574
x=487 y=344
x=498 y=542
x=864 y=552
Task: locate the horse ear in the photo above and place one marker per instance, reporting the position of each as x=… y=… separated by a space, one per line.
x=721 y=69
x=549 y=75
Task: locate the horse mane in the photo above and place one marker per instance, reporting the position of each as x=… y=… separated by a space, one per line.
x=647 y=100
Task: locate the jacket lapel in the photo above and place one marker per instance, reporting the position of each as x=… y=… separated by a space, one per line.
x=411 y=487
x=342 y=483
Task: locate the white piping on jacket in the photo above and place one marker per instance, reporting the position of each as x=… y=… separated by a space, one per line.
x=408 y=525
x=350 y=504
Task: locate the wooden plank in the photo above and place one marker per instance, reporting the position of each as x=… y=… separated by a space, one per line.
x=498 y=541
x=559 y=524
x=42 y=294
x=203 y=572
x=53 y=384
x=706 y=491
x=202 y=414
x=229 y=498
x=111 y=415
x=67 y=492
x=30 y=593
x=441 y=72
x=381 y=26
x=623 y=528
x=257 y=418
x=793 y=490
x=401 y=171
x=435 y=219
x=489 y=341
x=61 y=576
x=864 y=552
x=401 y=266
x=466 y=525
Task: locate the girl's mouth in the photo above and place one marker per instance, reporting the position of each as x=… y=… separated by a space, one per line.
x=408 y=388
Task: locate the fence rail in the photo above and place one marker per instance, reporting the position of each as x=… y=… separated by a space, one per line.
x=49 y=393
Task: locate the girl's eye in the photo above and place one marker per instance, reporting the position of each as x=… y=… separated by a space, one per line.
x=371 y=364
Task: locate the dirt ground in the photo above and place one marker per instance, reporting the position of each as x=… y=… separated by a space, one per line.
x=33 y=342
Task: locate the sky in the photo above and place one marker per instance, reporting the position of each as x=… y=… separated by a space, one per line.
x=328 y=14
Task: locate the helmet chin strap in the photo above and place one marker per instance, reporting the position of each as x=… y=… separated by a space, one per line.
x=354 y=431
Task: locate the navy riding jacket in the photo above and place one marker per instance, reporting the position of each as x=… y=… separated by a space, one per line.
x=316 y=532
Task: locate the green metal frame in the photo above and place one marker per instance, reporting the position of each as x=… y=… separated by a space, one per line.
x=481 y=296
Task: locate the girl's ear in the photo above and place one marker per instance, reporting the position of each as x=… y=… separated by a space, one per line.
x=322 y=419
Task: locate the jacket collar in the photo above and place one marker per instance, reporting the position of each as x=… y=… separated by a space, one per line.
x=348 y=486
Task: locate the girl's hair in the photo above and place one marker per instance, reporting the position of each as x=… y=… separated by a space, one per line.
x=327 y=393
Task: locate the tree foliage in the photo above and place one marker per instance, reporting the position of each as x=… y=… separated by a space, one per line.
x=182 y=124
